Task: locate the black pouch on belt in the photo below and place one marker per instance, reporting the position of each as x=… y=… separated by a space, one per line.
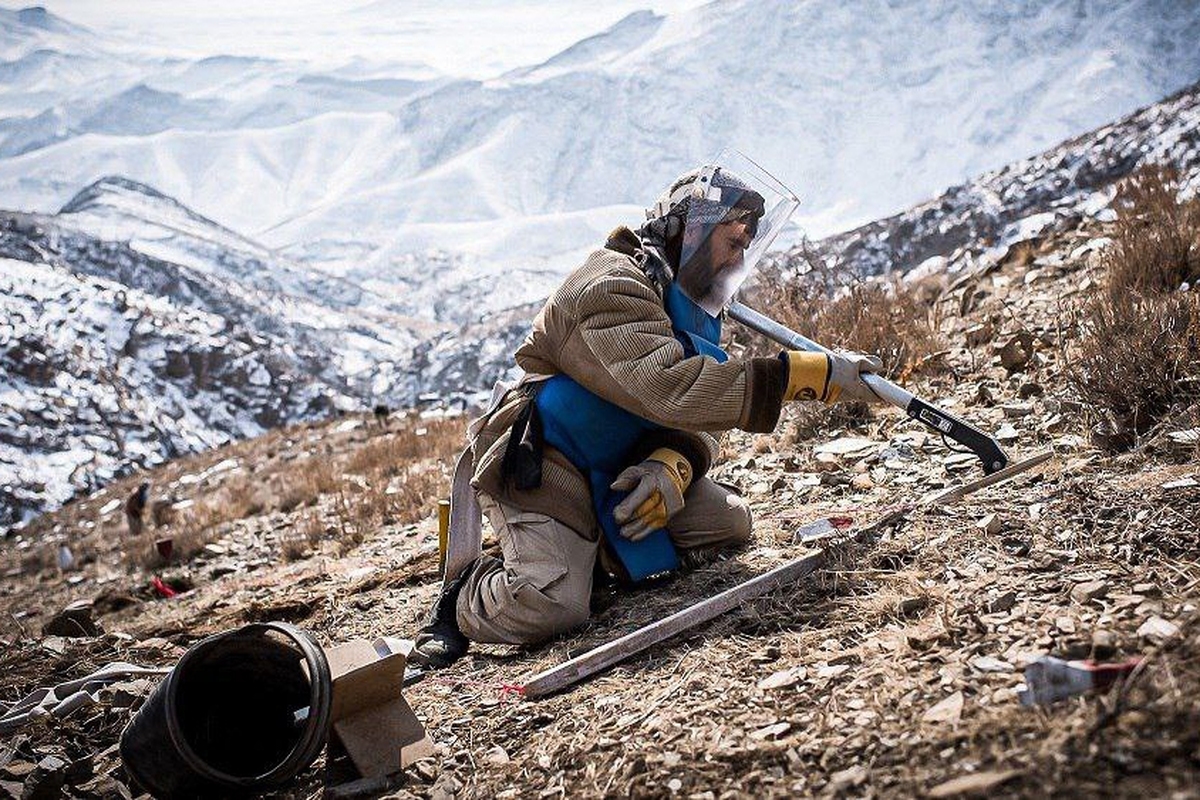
x=523 y=455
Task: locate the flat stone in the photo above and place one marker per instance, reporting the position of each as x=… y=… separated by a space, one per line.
x=957 y=462
x=947 y=711
x=1189 y=436
x=977 y=784
x=1006 y=434
x=980 y=334
x=773 y=731
x=1017 y=352
x=46 y=781
x=18 y=770
x=991 y=524
x=497 y=755
x=73 y=621
x=990 y=664
x=1003 y=603
x=1157 y=629
x=862 y=482
x=848 y=447
x=1017 y=410
x=1091 y=590
x=848 y=778
x=783 y=678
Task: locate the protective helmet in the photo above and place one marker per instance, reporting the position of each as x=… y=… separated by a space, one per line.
x=722 y=217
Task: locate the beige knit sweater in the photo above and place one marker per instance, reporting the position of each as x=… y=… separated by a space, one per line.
x=606 y=327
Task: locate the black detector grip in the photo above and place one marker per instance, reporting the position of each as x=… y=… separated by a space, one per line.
x=986 y=448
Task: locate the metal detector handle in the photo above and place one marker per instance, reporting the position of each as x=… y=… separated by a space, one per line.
x=986 y=448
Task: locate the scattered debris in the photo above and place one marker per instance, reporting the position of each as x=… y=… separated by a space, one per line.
x=979 y=783
x=1157 y=629
x=1089 y=590
x=1049 y=679
x=947 y=711
x=74 y=620
x=162 y=588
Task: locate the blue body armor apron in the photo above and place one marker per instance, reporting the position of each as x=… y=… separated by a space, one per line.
x=600 y=438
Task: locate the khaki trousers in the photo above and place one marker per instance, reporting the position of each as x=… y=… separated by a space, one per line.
x=543 y=586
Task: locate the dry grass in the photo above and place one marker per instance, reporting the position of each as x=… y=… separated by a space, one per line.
x=341 y=484
x=1156 y=246
x=197 y=525
x=302 y=538
x=839 y=310
x=1139 y=350
x=824 y=302
x=398 y=478
x=1139 y=357
x=415 y=439
x=305 y=482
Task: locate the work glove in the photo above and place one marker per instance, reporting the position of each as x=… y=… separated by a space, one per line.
x=829 y=377
x=656 y=488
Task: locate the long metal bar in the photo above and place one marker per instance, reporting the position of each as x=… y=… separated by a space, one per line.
x=606 y=655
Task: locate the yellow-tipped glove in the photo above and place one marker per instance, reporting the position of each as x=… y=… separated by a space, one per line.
x=656 y=488
x=829 y=378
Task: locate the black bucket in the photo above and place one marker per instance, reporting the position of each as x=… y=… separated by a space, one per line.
x=237 y=714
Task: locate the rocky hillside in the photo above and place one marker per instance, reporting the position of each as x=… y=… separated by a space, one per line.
x=983 y=217
x=895 y=671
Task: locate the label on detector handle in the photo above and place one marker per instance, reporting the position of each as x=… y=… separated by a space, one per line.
x=986 y=448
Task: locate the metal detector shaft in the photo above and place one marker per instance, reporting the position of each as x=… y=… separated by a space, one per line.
x=986 y=448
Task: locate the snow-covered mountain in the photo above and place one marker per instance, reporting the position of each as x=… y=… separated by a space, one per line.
x=865 y=108
x=982 y=217
x=133 y=329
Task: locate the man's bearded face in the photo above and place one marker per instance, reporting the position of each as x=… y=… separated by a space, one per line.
x=719 y=254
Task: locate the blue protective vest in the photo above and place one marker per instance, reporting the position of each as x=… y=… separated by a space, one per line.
x=599 y=438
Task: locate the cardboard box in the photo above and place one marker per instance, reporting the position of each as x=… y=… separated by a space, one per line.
x=370 y=718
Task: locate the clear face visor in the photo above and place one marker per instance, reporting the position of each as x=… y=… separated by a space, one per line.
x=735 y=210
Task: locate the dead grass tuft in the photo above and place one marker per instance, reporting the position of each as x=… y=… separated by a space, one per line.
x=397 y=479
x=304 y=483
x=196 y=526
x=826 y=303
x=1139 y=350
x=1139 y=356
x=1156 y=246
x=303 y=538
x=389 y=454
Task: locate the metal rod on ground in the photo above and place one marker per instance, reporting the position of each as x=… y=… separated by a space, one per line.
x=955 y=492
x=618 y=650
x=607 y=655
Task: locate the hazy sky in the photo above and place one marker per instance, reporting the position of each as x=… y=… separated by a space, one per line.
x=472 y=38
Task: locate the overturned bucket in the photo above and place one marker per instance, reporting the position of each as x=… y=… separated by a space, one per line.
x=237 y=714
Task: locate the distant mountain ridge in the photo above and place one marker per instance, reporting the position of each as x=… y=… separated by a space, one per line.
x=864 y=109
x=991 y=211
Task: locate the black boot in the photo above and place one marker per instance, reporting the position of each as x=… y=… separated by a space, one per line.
x=440 y=643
